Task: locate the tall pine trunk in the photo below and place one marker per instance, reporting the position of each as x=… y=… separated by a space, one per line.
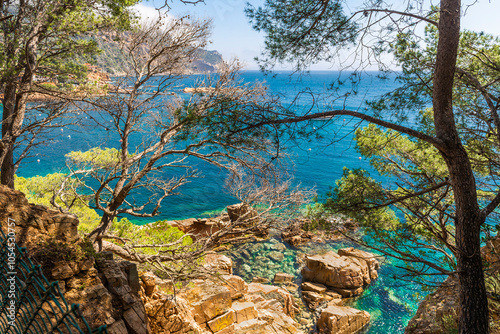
x=7 y=150
x=472 y=291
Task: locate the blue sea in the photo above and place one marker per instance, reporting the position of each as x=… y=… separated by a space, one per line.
x=316 y=163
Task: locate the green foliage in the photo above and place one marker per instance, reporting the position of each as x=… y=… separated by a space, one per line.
x=96 y=157
x=301 y=31
x=419 y=226
x=355 y=195
x=40 y=189
x=159 y=233
x=318 y=217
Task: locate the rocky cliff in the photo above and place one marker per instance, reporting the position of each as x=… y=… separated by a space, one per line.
x=438 y=312
x=129 y=301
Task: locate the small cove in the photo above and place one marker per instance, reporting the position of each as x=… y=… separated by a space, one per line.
x=390 y=302
x=317 y=162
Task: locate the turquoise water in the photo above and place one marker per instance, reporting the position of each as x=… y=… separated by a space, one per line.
x=317 y=163
x=390 y=302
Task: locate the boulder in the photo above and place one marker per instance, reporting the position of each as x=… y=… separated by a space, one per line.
x=196 y=227
x=207 y=300
x=221 y=322
x=258 y=279
x=241 y=211
x=313 y=299
x=244 y=311
x=283 y=278
x=219 y=263
x=345 y=274
x=236 y=285
x=314 y=287
x=295 y=235
x=369 y=258
x=342 y=320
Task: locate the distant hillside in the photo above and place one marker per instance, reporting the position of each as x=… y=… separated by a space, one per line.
x=207 y=60
x=111 y=62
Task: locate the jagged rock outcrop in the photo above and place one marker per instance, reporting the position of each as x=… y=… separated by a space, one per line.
x=106 y=290
x=315 y=295
x=439 y=311
x=248 y=228
x=35 y=223
x=224 y=306
x=345 y=274
x=300 y=232
x=342 y=320
x=107 y=293
x=295 y=235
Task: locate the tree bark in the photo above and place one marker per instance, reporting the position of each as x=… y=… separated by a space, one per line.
x=7 y=151
x=472 y=291
x=104 y=226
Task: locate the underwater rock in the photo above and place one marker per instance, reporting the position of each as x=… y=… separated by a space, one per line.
x=276 y=256
x=278 y=246
x=258 y=279
x=295 y=235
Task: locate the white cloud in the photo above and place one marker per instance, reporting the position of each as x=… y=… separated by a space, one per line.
x=147 y=13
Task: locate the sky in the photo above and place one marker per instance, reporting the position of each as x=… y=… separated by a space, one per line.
x=233 y=36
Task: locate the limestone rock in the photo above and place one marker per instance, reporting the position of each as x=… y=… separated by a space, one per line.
x=208 y=300
x=315 y=287
x=369 y=258
x=223 y=321
x=346 y=274
x=283 y=278
x=244 y=311
x=218 y=262
x=342 y=320
x=236 y=285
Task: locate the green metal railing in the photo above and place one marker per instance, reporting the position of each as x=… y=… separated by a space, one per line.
x=29 y=302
